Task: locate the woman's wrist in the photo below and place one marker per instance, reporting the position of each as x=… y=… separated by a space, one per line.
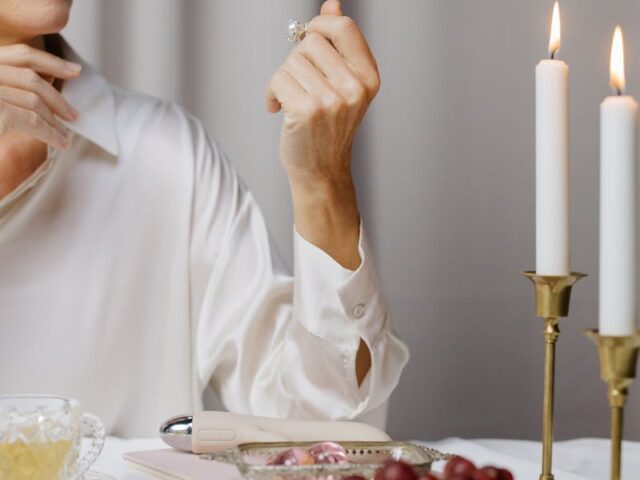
x=326 y=215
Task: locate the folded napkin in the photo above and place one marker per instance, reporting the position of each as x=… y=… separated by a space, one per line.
x=170 y=464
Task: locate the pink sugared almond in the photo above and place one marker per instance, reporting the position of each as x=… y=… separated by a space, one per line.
x=328 y=452
x=291 y=456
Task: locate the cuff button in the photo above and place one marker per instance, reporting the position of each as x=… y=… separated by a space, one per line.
x=359 y=310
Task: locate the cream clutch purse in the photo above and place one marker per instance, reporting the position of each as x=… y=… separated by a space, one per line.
x=207 y=432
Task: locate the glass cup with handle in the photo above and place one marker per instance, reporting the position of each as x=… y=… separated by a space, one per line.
x=41 y=435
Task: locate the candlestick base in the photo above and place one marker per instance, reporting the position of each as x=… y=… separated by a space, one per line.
x=553 y=293
x=618 y=362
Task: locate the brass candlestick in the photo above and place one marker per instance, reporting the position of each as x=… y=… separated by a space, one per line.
x=552 y=303
x=618 y=360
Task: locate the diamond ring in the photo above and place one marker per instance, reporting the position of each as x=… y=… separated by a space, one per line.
x=297 y=30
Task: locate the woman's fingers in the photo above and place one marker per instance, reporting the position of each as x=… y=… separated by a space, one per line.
x=333 y=61
x=314 y=83
x=28 y=102
x=15 y=118
x=31 y=101
x=25 y=56
x=271 y=101
x=347 y=39
x=26 y=79
x=331 y=7
x=322 y=72
x=345 y=35
x=285 y=90
x=340 y=75
x=309 y=78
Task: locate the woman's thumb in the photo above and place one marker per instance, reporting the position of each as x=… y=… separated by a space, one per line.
x=331 y=7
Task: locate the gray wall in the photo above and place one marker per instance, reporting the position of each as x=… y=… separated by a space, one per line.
x=445 y=170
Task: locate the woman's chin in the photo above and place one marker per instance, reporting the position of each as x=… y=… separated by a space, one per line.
x=51 y=18
x=51 y=22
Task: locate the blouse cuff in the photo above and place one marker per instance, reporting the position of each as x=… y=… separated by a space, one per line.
x=335 y=303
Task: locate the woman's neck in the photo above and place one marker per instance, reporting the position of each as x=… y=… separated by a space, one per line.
x=20 y=156
x=37 y=42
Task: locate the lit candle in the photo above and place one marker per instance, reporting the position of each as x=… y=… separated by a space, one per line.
x=552 y=160
x=618 y=214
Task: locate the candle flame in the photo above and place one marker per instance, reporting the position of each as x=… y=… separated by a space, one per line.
x=617 y=79
x=554 y=38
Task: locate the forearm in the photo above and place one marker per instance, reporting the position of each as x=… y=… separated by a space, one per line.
x=326 y=215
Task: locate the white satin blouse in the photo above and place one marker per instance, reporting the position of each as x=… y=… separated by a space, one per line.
x=136 y=269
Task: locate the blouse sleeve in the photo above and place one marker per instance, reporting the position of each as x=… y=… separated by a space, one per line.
x=274 y=344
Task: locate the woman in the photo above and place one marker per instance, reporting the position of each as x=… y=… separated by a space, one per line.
x=136 y=269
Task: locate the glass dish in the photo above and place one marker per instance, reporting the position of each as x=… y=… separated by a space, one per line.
x=364 y=457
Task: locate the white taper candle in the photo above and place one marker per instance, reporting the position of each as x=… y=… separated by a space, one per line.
x=618 y=204
x=552 y=161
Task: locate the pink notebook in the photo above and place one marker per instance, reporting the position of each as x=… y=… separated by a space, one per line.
x=170 y=464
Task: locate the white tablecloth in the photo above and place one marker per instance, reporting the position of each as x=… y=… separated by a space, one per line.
x=583 y=459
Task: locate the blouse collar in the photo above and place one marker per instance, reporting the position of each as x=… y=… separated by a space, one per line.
x=91 y=95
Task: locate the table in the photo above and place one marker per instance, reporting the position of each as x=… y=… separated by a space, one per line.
x=581 y=459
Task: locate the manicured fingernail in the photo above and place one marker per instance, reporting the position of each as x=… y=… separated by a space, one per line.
x=73 y=67
x=74 y=112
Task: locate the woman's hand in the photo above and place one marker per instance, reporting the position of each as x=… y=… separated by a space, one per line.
x=28 y=103
x=324 y=87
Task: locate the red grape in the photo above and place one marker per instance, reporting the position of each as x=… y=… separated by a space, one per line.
x=354 y=477
x=428 y=476
x=459 y=466
x=506 y=474
x=488 y=473
x=396 y=470
x=459 y=476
